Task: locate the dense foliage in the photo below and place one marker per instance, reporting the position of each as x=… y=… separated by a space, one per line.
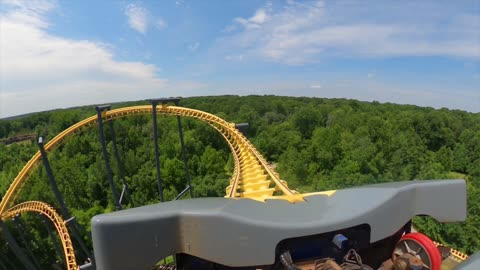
x=316 y=144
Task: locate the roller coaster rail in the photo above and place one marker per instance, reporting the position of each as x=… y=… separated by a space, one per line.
x=252 y=177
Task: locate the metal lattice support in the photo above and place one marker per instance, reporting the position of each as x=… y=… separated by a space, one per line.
x=50 y=213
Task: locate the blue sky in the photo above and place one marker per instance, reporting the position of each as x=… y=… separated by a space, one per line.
x=57 y=54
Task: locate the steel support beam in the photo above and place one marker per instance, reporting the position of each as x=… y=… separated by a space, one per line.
x=155 y=102
x=75 y=226
x=100 y=109
x=51 y=179
x=17 y=250
x=242 y=127
x=121 y=170
x=57 y=247
x=157 y=150
x=184 y=156
x=2 y=266
x=20 y=226
x=8 y=264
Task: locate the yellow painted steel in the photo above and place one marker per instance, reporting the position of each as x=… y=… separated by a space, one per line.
x=458 y=255
x=253 y=177
x=60 y=226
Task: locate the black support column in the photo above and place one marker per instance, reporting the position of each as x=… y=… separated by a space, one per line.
x=69 y=220
x=17 y=250
x=56 y=245
x=21 y=233
x=184 y=155
x=100 y=109
x=189 y=187
x=121 y=170
x=8 y=261
x=157 y=151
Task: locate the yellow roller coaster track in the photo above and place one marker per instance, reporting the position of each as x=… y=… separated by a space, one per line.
x=252 y=178
x=458 y=255
x=50 y=213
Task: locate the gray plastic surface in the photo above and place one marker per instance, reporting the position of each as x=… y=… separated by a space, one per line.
x=243 y=232
x=472 y=263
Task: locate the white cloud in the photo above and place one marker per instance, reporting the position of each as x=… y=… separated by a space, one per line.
x=137 y=17
x=260 y=17
x=316 y=86
x=193 y=47
x=31 y=6
x=160 y=23
x=303 y=32
x=40 y=71
x=234 y=57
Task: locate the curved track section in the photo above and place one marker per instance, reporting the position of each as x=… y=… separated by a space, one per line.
x=253 y=177
x=60 y=226
x=458 y=255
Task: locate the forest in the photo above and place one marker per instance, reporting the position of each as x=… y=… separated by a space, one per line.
x=314 y=143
